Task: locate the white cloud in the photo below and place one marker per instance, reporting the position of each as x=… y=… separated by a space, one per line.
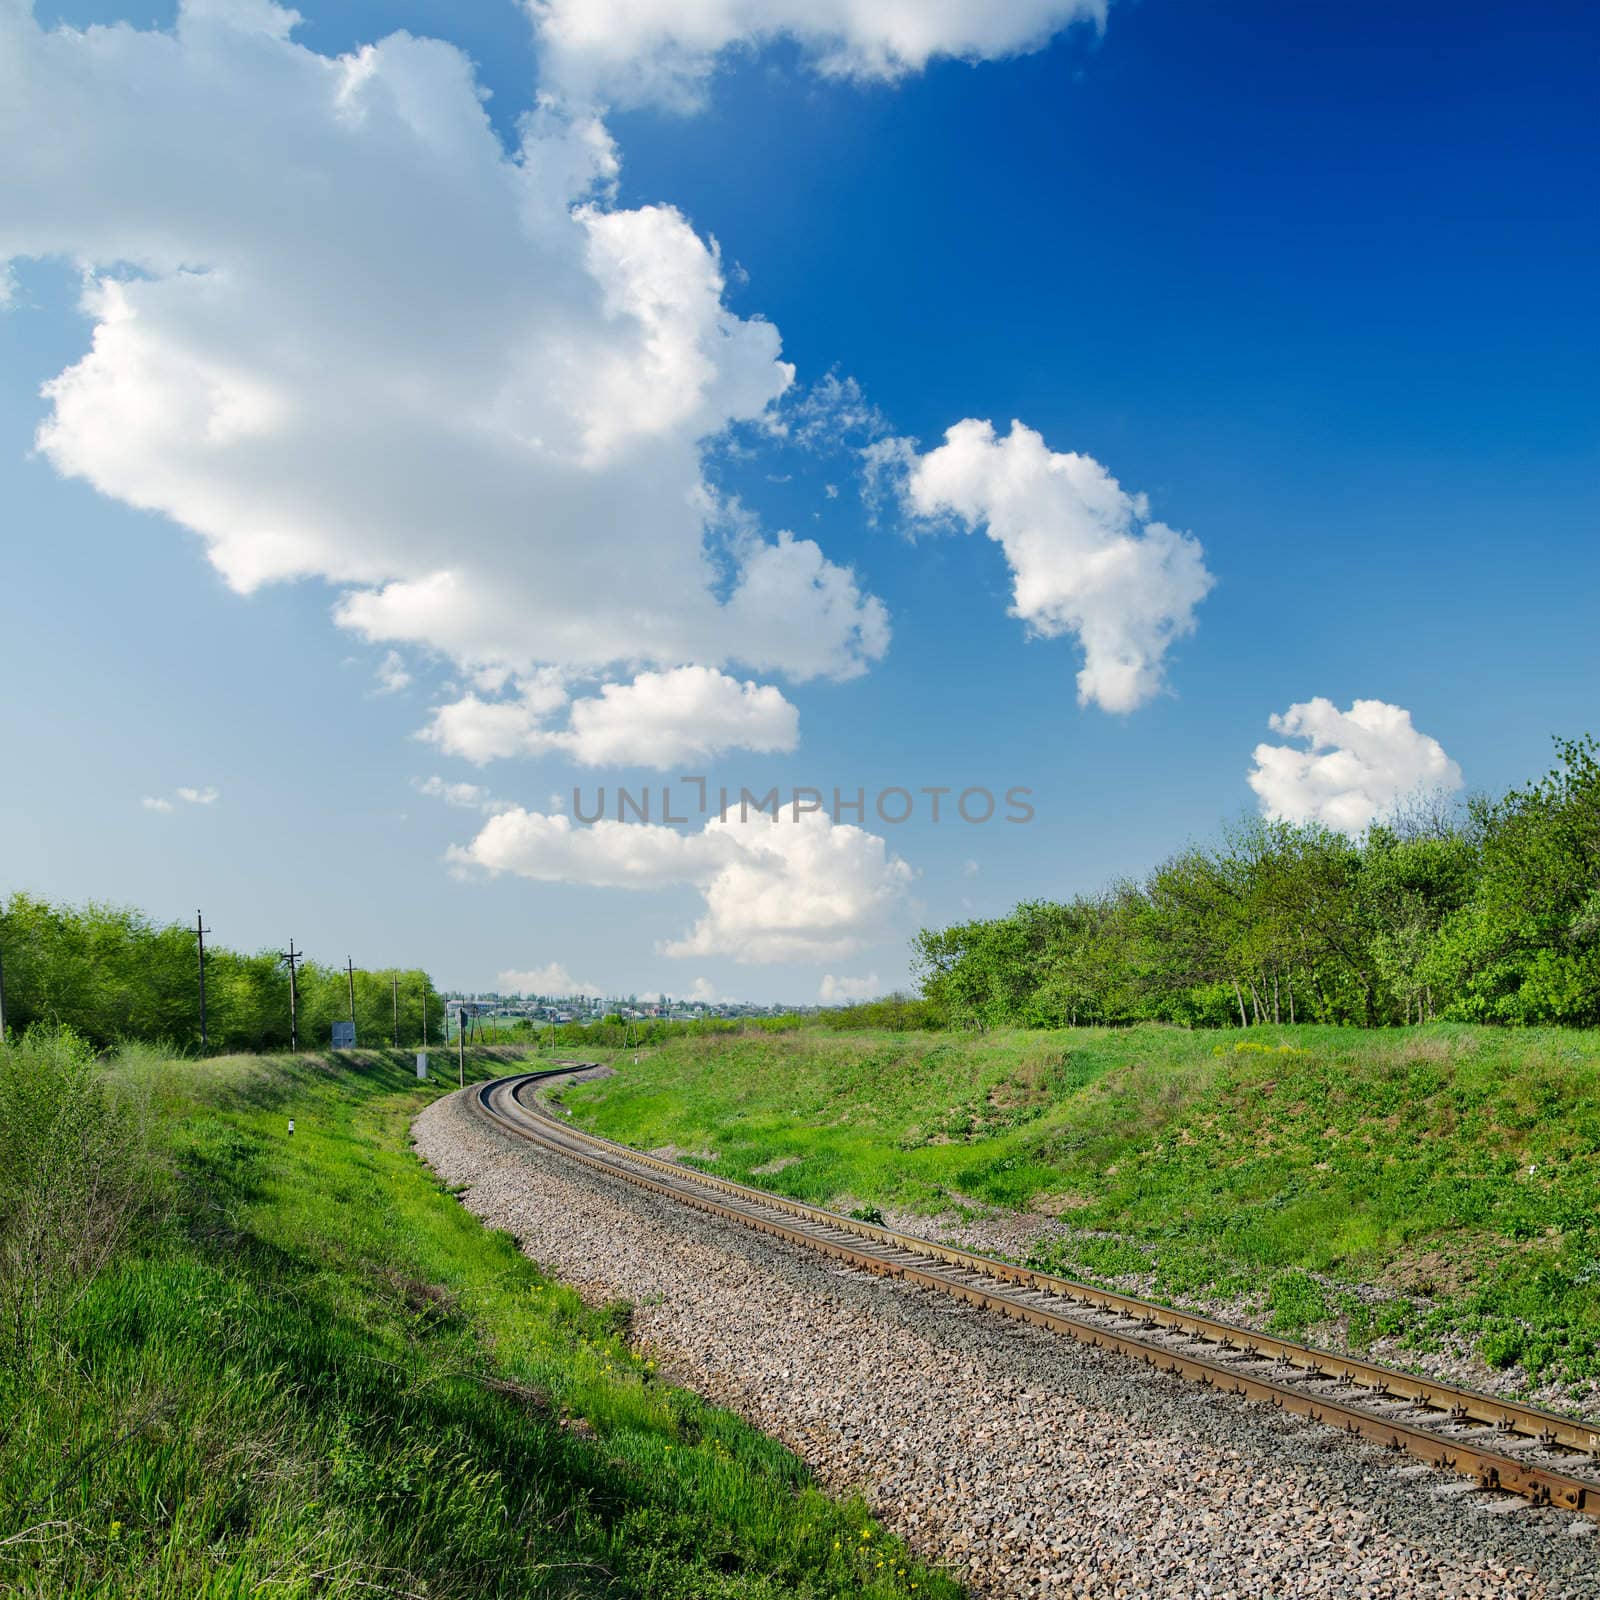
x=833 y=414
x=553 y=979
x=1085 y=558
x=703 y=991
x=481 y=730
x=200 y=797
x=631 y=52
x=805 y=889
x=665 y=718
x=1355 y=766
x=153 y=802
x=661 y=719
x=969 y=869
x=340 y=332
x=392 y=674
x=846 y=991
x=466 y=796
x=606 y=855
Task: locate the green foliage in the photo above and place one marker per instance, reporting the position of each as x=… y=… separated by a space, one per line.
x=1296 y=1300
x=1492 y=916
x=112 y=975
x=305 y=1369
x=74 y=1172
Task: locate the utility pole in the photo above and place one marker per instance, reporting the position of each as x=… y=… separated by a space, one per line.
x=424 y=1013
x=2 y=997
x=395 y=986
x=200 y=932
x=293 y=956
x=461 y=1048
x=350 y=976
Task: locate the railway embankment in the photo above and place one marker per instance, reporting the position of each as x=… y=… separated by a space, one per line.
x=1425 y=1196
x=1026 y=1463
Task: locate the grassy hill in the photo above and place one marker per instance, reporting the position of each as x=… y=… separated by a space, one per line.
x=237 y=1362
x=1430 y=1186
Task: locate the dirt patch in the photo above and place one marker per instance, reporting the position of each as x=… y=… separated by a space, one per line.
x=673 y=1152
x=1432 y=1273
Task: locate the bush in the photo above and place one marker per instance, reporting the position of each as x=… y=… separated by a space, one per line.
x=74 y=1169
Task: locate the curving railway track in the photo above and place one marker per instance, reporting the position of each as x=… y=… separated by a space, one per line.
x=1501 y=1444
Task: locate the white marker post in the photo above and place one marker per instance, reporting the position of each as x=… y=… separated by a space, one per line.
x=422 y=1063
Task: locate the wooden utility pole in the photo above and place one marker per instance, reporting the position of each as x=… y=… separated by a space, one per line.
x=461 y=1048
x=350 y=976
x=292 y=957
x=200 y=932
x=424 y=1013
x=395 y=986
x=2 y=997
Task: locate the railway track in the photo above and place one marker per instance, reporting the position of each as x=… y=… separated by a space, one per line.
x=1500 y=1444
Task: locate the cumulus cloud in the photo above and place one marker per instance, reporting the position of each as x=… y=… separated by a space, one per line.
x=553 y=979
x=665 y=718
x=154 y=802
x=661 y=719
x=846 y=991
x=1354 y=765
x=207 y=796
x=1085 y=557
x=340 y=331
x=703 y=990
x=632 y=52
x=806 y=889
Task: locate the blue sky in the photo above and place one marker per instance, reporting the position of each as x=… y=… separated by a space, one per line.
x=1315 y=280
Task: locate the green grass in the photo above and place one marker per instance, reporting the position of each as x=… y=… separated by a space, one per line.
x=310 y=1371
x=1455 y=1169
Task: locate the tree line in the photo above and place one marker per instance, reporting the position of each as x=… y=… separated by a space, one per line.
x=112 y=974
x=1485 y=913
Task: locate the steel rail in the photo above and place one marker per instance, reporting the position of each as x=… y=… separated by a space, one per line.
x=1453 y=1429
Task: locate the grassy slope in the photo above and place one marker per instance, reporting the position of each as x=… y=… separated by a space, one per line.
x=1456 y=1169
x=316 y=1373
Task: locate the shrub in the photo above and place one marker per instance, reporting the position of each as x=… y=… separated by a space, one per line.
x=74 y=1169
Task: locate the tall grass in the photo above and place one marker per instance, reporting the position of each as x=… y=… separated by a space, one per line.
x=75 y=1168
x=300 y=1367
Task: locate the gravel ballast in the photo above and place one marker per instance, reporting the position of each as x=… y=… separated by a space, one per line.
x=1024 y=1462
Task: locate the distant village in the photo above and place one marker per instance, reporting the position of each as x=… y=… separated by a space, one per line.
x=489 y=1006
